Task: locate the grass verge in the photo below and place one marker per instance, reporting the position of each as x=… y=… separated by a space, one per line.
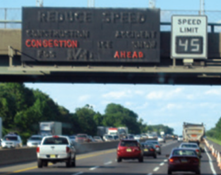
x=214 y=140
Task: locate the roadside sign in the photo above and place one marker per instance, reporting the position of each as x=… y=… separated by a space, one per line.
x=189 y=37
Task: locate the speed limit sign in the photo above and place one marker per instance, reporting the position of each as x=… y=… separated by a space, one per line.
x=189 y=37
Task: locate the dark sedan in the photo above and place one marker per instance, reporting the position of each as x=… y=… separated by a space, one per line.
x=183 y=159
x=149 y=150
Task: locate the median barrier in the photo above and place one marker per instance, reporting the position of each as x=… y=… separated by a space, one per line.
x=19 y=155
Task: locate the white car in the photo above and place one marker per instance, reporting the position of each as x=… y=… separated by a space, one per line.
x=180 y=138
x=11 y=141
x=56 y=149
x=161 y=139
x=137 y=137
x=34 y=140
x=108 y=138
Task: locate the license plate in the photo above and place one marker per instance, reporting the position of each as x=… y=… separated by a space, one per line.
x=145 y=149
x=129 y=150
x=183 y=160
x=52 y=156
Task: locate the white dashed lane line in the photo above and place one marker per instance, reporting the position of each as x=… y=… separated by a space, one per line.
x=162 y=164
x=165 y=160
x=107 y=163
x=93 y=168
x=156 y=169
x=78 y=173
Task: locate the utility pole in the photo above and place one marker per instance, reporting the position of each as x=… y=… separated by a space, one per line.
x=202 y=5
x=39 y=3
x=90 y=3
x=152 y=4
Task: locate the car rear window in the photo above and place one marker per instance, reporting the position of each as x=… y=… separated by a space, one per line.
x=55 y=141
x=82 y=136
x=14 y=138
x=128 y=143
x=188 y=146
x=35 y=138
x=184 y=153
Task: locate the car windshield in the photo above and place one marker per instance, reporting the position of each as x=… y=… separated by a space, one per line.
x=128 y=143
x=184 y=153
x=72 y=137
x=35 y=138
x=11 y=138
x=55 y=141
x=188 y=146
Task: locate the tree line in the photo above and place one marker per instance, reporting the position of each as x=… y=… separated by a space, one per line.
x=22 y=109
x=215 y=132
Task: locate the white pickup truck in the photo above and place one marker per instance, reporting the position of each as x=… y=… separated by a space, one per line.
x=56 y=149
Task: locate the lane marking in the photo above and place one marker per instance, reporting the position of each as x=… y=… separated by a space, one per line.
x=162 y=164
x=78 y=173
x=211 y=163
x=93 y=168
x=165 y=160
x=107 y=163
x=156 y=169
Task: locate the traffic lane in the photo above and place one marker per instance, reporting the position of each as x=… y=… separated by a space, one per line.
x=208 y=167
x=86 y=161
x=133 y=167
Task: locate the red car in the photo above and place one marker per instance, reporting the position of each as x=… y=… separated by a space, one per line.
x=183 y=159
x=81 y=138
x=129 y=149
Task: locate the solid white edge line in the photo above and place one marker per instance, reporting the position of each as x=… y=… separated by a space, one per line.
x=78 y=173
x=107 y=163
x=93 y=168
x=156 y=169
x=210 y=163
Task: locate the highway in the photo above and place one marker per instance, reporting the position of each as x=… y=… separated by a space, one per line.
x=104 y=163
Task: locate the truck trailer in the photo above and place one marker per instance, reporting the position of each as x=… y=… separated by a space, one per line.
x=194 y=133
x=50 y=128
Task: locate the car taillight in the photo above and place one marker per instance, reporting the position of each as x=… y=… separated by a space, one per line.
x=151 y=149
x=67 y=149
x=195 y=160
x=197 y=151
x=157 y=146
x=173 y=160
x=37 y=149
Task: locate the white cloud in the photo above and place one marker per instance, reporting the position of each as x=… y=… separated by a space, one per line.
x=139 y=92
x=213 y=92
x=156 y=95
x=84 y=98
x=128 y=103
x=143 y=106
x=118 y=94
x=171 y=106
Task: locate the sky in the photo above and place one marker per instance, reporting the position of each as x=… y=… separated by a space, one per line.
x=156 y=104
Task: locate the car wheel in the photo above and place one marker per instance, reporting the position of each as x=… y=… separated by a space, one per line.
x=40 y=163
x=169 y=171
x=140 y=159
x=68 y=163
x=74 y=162
x=119 y=159
x=45 y=163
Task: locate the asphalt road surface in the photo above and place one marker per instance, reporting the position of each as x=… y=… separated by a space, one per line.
x=104 y=163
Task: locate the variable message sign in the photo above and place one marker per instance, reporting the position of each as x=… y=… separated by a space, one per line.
x=90 y=35
x=189 y=37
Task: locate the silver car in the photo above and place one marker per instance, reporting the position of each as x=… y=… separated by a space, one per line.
x=11 y=141
x=156 y=145
x=34 y=140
